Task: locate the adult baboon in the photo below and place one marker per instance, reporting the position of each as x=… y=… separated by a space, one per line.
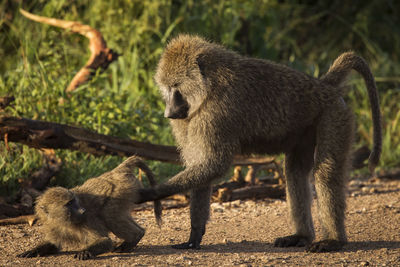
x=221 y=104
x=82 y=218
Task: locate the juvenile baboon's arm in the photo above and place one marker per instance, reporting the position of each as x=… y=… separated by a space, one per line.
x=103 y=245
x=40 y=251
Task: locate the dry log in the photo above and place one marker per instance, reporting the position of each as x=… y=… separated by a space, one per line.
x=236 y=181
x=251 y=192
x=254 y=169
x=258 y=192
x=29 y=219
x=101 y=56
x=40 y=134
x=230 y=185
x=241 y=160
x=237 y=175
x=251 y=174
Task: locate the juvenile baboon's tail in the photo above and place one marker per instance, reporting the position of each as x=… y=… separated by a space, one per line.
x=135 y=161
x=337 y=75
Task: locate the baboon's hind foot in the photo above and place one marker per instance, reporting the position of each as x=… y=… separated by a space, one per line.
x=327 y=245
x=292 y=241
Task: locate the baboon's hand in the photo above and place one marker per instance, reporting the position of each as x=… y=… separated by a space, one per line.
x=84 y=255
x=146 y=194
x=41 y=250
x=29 y=254
x=126 y=247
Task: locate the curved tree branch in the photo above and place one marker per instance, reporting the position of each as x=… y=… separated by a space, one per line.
x=101 y=56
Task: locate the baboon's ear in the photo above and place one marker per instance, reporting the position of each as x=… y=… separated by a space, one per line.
x=202 y=63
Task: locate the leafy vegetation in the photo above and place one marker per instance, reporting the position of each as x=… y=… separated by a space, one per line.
x=38 y=61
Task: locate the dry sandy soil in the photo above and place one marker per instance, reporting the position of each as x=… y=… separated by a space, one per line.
x=241 y=233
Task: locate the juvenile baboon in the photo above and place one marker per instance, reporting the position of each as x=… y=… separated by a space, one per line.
x=82 y=217
x=221 y=104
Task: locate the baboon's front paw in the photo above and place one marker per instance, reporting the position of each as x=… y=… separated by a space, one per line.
x=84 y=255
x=325 y=246
x=291 y=241
x=187 y=245
x=125 y=247
x=28 y=254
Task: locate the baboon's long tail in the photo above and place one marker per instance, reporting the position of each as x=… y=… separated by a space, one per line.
x=135 y=161
x=337 y=75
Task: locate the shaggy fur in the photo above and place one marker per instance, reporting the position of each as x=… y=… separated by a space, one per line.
x=222 y=104
x=81 y=218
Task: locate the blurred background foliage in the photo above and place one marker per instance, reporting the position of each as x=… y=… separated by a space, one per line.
x=38 y=62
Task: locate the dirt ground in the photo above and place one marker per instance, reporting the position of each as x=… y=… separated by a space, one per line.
x=241 y=233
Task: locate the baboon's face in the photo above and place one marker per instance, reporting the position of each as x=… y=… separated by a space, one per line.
x=180 y=80
x=75 y=211
x=60 y=204
x=177 y=91
x=176 y=106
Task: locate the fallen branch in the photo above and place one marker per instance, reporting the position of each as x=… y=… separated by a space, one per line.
x=40 y=134
x=241 y=160
x=236 y=181
x=29 y=219
x=259 y=192
x=251 y=192
x=101 y=56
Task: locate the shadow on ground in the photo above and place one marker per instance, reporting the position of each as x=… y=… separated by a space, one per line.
x=251 y=247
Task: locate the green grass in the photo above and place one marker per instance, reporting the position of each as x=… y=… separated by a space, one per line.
x=38 y=62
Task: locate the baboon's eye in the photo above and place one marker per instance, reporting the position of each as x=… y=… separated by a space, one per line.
x=44 y=209
x=71 y=202
x=175 y=85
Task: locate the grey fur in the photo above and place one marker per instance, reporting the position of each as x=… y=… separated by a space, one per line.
x=222 y=104
x=81 y=218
